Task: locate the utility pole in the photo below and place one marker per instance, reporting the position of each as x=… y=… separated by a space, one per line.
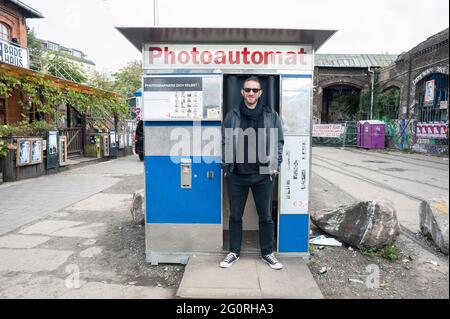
x=155 y=13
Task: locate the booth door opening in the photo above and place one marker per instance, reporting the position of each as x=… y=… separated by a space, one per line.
x=232 y=98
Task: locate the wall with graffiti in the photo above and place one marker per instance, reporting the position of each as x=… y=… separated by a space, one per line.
x=430 y=138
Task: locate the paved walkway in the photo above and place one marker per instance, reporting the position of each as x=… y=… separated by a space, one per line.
x=31 y=199
x=248 y=278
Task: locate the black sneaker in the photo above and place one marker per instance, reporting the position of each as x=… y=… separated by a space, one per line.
x=272 y=261
x=229 y=260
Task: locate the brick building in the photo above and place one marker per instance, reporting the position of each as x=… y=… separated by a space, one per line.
x=13 y=35
x=421 y=75
x=341 y=79
x=13 y=26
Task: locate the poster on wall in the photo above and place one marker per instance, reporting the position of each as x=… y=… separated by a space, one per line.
x=121 y=141
x=182 y=97
x=105 y=145
x=327 y=130
x=63 y=150
x=53 y=144
x=52 y=149
x=37 y=152
x=429 y=92
x=432 y=130
x=24 y=152
x=294 y=181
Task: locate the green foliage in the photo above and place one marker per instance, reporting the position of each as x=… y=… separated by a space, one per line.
x=35 y=50
x=390 y=252
x=60 y=65
x=25 y=129
x=3 y=148
x=350 y=104
x=385 y=104
x=128 y=79
x=101 y=81
x=42 y=93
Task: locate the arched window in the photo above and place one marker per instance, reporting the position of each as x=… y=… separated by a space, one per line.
x=4 y=32
x=433 y=98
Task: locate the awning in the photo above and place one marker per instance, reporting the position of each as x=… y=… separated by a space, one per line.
x=81 y=88
x=140 y=36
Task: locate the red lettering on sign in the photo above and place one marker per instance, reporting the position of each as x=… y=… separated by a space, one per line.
x=184 y=57
x=206 y=57
x=155 y=52
x=257 y=57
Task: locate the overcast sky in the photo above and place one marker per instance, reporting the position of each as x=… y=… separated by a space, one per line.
x=375 y=26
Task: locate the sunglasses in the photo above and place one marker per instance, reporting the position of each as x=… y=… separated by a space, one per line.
x=248 y=90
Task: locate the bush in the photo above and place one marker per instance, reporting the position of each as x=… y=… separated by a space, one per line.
x=24 y=129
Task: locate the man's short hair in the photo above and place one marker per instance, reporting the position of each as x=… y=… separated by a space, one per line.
x=252 y=78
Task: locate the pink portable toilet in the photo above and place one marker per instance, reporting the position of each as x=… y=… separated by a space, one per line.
x=372 y=134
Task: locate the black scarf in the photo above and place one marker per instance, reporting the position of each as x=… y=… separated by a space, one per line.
x=250 y=118
x=251 y=114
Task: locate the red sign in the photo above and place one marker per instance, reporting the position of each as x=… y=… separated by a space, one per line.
x=227 y=56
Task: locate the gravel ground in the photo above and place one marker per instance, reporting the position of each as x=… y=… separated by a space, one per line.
x=352 y=275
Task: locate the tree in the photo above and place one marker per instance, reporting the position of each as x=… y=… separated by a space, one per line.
x=57 y=64
x=129 y=79
x=35 y=50
x=101 y=81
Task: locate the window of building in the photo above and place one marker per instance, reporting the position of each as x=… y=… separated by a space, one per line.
x=53 y=46
x=4 y=32
x=2 y=111
x=77 y=54
x=433 y=98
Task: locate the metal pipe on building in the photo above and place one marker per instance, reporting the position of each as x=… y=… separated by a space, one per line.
x=372 y=75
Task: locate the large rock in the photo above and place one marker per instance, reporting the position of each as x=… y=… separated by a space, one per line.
x=434 y=222
x=138 y=207
x=366 y=224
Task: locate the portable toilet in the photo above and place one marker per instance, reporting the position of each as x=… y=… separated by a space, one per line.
x=371 y=134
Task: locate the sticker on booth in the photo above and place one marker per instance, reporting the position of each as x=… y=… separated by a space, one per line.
x=294 y=187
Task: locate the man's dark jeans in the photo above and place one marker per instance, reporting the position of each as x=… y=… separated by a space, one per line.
x=262 y=189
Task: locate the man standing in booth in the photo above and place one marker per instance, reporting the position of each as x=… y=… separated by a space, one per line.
x=252 y=152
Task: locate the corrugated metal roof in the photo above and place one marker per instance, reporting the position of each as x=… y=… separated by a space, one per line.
x=354 y=60
x=29 y=12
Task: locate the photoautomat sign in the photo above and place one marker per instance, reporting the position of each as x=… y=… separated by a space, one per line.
x=166 y=56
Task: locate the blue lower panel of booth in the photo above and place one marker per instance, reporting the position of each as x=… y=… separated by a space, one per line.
x=293 y=234
x=168 y=203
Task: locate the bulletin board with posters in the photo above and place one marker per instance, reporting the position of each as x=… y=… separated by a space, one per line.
x=29 y=151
